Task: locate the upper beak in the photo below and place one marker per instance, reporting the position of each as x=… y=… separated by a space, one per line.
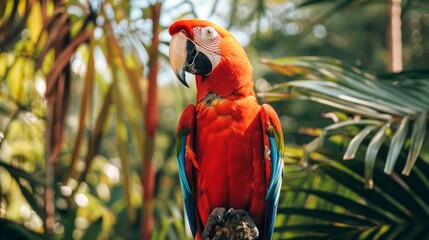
x=185 y=55
x=178 y=55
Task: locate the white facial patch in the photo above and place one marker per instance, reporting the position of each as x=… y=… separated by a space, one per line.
x=207 y=38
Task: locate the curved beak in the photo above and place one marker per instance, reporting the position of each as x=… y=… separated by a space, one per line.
x=185 y=55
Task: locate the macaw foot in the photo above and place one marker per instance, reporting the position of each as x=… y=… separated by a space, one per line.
x=229 y=225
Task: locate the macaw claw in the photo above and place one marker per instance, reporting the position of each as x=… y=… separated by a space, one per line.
x=232 y=224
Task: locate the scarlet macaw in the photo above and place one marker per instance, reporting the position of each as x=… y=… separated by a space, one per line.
x=230 y=149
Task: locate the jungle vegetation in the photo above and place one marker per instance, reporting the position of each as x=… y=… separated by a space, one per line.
x=89 y=108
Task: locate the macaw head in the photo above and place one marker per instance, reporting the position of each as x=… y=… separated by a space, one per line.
x=211 y=53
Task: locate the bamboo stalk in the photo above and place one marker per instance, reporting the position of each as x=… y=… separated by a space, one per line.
x=395 y=37
x=151 y=120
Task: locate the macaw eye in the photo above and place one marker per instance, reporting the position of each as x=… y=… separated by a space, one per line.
x=209 y=32
x=207 y=38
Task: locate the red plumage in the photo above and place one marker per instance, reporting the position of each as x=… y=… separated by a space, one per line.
x=227 y=160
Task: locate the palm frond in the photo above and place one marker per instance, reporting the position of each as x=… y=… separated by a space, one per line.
x=330 y=210
x=394 y=105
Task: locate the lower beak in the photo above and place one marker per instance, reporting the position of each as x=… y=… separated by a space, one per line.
x=185 y=55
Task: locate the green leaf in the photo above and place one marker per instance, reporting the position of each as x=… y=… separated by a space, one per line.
x=301 y=94
x=349 y=107
x=392 y=188
x=339 y=218
x=94 y=230
x=368 y=234
x=349 y=204
x=69 y=219
x=371 y=154
x=336 y=126
x=306 y=238
x=417 y=137
x=356 y=142
x=16 y=172
x=340 y=92
x=418 y=181
x=29 y=196
x=332 y=70
x=330 y=130
x=315 y=228
x=308 y=149
x=396 y=145
x=355 y=234
x=375 y=197
x=11 y=230
x=408 y=231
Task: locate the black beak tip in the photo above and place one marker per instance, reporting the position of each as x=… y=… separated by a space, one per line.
x=181 y=76
x=183 y=81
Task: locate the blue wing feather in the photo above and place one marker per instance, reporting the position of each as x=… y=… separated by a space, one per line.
x=273 y=140
x=186 y=189
x=273 y=192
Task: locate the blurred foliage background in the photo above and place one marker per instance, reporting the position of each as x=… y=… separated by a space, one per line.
x=89 y=108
